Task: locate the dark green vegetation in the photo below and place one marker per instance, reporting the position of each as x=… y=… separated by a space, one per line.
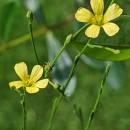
x=113 y=111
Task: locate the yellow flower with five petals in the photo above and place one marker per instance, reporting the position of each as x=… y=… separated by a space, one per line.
x=29 y=81
x=99 y=20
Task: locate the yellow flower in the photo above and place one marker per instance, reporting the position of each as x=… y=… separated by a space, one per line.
x=29 y=82
x=98 y=19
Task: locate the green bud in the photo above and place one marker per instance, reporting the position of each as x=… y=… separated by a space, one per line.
x=68 y=39
x=56 y=86
x=29 y=15
x=47 y=66
x=22 y=102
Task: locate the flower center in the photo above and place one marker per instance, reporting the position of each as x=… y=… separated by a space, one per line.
x=28 y=83
x=97 y=20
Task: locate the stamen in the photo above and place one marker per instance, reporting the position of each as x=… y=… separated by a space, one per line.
x=94 y=21
x=98 y=19
x=28 y=83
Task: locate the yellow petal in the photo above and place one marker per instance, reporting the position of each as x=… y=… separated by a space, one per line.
x=83 y=15
x=112 y=12
x=21 y=70
x=110 y=28
x=36 y=73
x=41 y=84
x=92 y=31
x=32 y=89
x=97 y=6
x=16 y=84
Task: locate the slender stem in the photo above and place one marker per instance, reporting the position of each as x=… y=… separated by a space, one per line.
x=98 y=98
x=55 y=105
x=53 y=62
x=62 y=49
x=80 y=116
x=78 y=112
x=74 y=64
x=30 y=17
x=67 y=41
x=32 y=40
x=57 y=100
x=24 y=110
x=80 y=30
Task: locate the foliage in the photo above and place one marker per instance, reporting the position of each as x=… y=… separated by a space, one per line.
x=53 y=21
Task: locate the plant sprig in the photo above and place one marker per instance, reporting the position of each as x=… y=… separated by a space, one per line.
x=98 y=98
x=30 y=19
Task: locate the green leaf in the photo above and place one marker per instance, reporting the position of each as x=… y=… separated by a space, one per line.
x=119 y=41
x=9 y=18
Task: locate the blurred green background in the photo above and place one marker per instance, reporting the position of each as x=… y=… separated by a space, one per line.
x=53 y=21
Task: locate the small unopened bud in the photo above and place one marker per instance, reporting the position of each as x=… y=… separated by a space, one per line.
x=47 y=69
x=29 y=15
x=56 y=86
x=68 y=39
x=47 y=66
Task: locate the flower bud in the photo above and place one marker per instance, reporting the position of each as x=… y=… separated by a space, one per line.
x=29 y=15
x=68 y=39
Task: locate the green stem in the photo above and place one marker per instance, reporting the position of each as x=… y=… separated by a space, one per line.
x=55 y=105
x=74 y=65
x=78 y=112
x=57 y=100
x=98 y=98
x=24 y=110
x=62 y=49
x=80 y=30
x=30 y=17
x=80 y=116
x=67 y=41
x=32 y=40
